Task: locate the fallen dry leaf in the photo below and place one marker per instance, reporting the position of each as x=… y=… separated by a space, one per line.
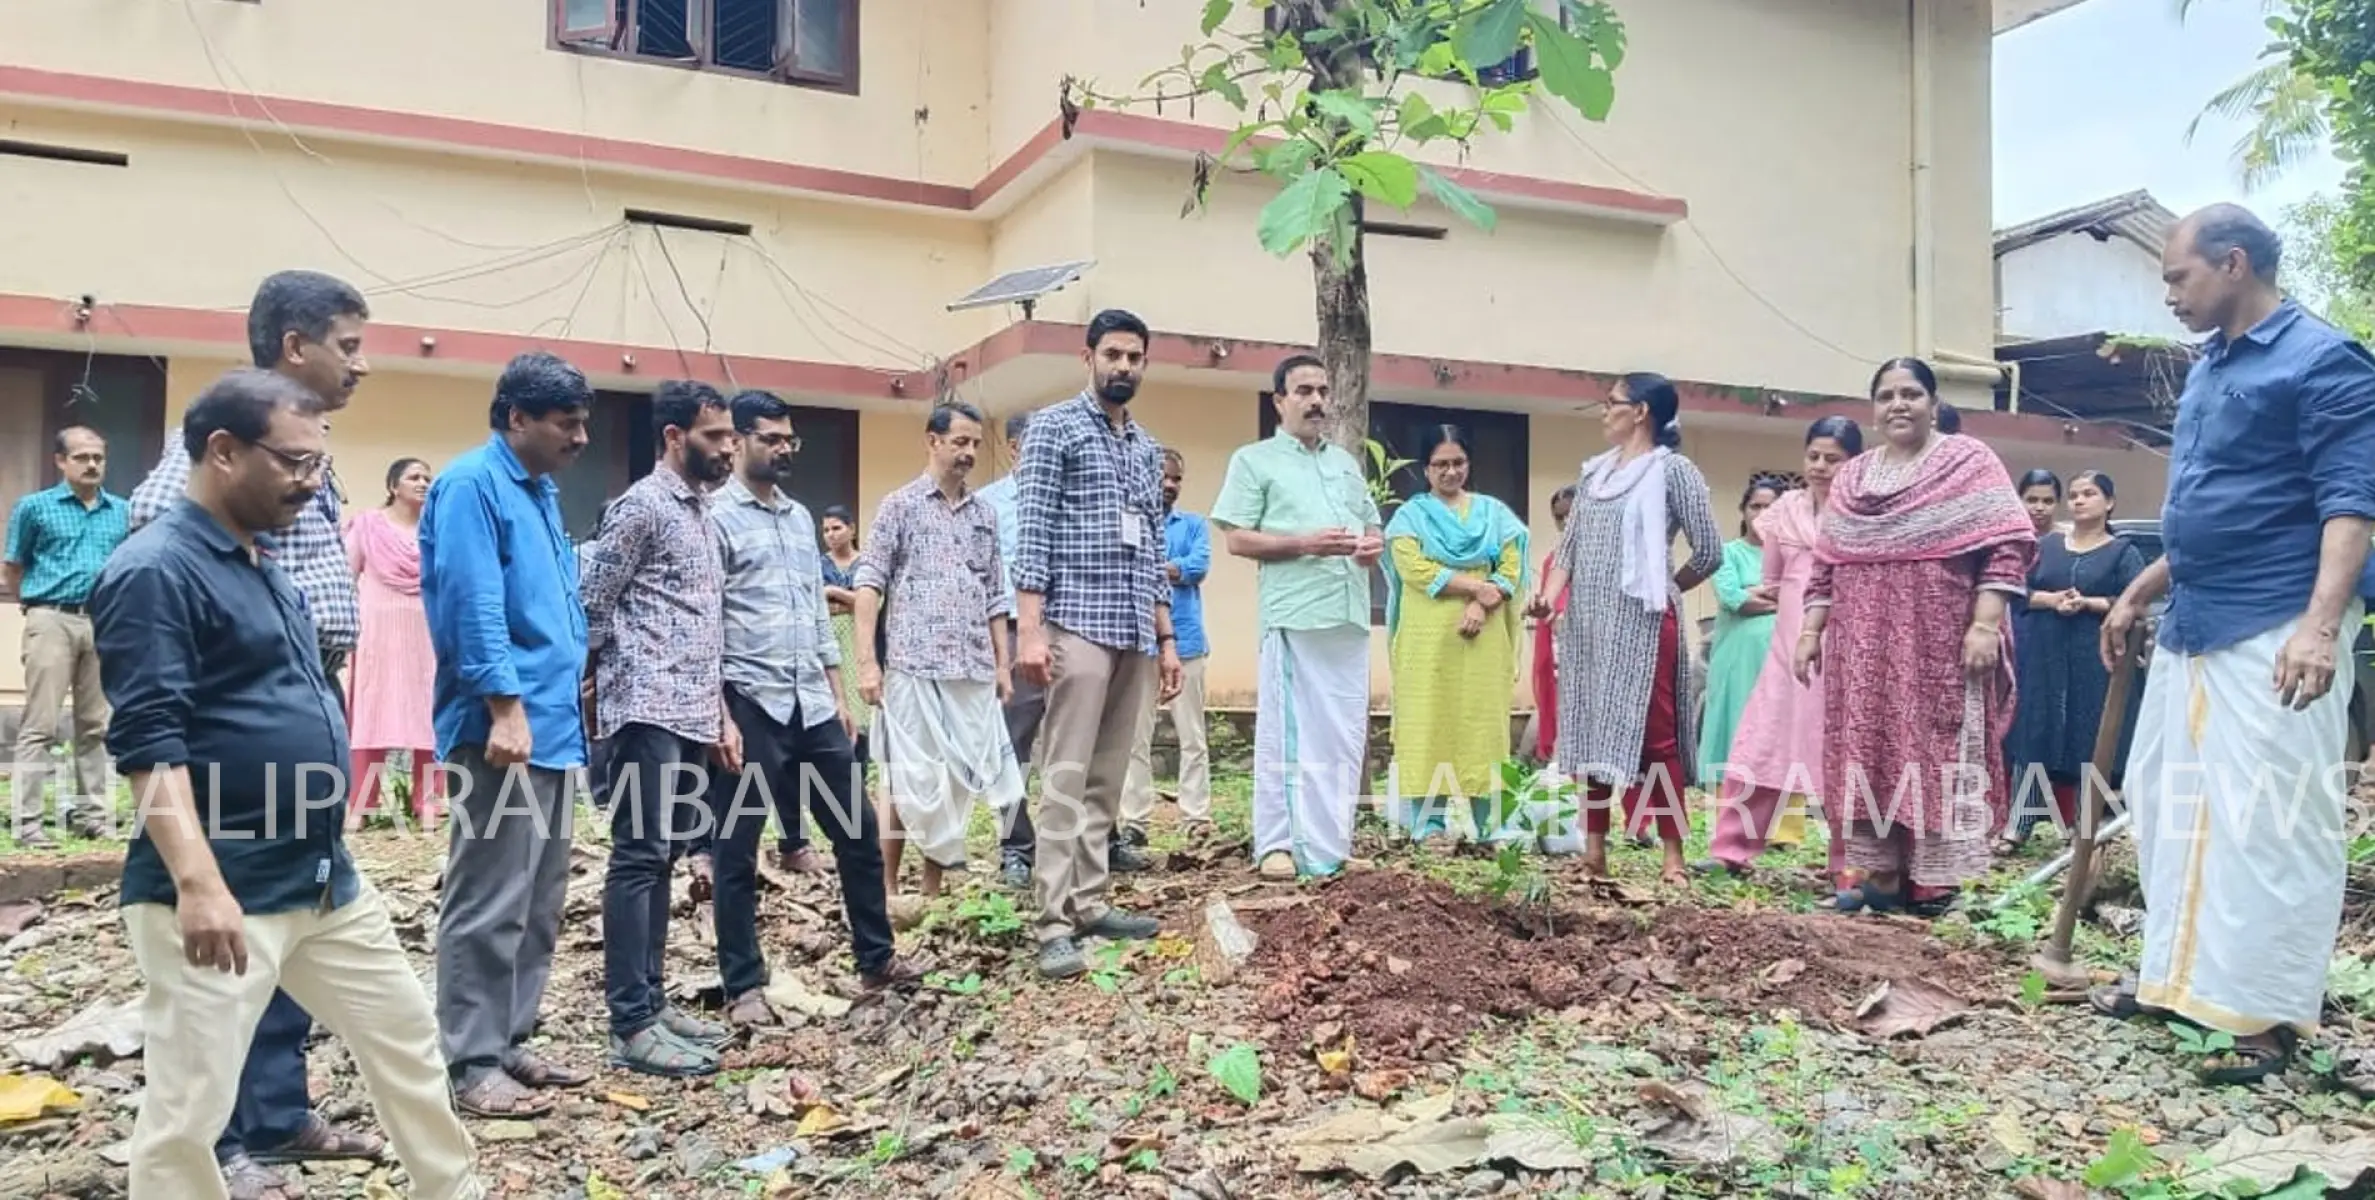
x=1701 y=1132
x=2268 y=1163
x=628 y=1100
x=1378 y=1086
x=821 y=1119
x=2037 y=1187
x=104 y=1030
x=1782 y=972
x=28 y=1097
x=1914 y=1006
x=18 y=915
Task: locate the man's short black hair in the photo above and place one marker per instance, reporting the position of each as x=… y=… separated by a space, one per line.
x=1016 y=424
x=753 y=406
x=946 y=413
x=301 y=301
x=536 y=385
x=241 y=404
x=1288 y=366
x=1115 y=320
x=678 y=403
x=2223 y=228
x=57 y=443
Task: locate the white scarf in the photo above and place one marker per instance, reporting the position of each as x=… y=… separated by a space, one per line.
x=1648 y=542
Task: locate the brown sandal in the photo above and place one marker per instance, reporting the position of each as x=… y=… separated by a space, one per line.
x=320 y=1141
x=498 y=1097
x=246 y=1179
x=536 y=1071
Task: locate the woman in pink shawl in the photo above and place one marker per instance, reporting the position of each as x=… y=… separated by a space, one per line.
x=1919 y=554
x=393 y=674
x=1776 y=758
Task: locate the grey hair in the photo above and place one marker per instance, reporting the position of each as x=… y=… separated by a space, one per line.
x=2222 y=228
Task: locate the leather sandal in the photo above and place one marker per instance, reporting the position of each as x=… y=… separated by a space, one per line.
x=537 y=1071
x=498 y=1097
x=320 y=1141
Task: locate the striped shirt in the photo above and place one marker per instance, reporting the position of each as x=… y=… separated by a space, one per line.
x=60 y=543
x=779 y=634
x=1085 y=488
x=312 y=551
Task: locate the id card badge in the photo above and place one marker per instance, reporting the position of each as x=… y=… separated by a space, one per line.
x=1133 y=535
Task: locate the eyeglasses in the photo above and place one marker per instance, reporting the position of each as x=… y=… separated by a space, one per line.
x=789 y=442
x=304 y=466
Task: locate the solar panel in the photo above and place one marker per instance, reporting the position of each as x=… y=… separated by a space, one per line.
x=1022 y=287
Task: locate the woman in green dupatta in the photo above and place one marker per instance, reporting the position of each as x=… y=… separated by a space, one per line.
x=1455 y=596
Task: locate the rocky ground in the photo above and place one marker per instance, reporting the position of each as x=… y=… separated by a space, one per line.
x=1398 y=1032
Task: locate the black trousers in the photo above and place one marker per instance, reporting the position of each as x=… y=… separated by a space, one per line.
x=659 y=801
x=786 y=763
x=791 y=827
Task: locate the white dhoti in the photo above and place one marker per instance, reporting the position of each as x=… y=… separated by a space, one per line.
x=942 y=744
x=1310 y=745
x=2239 y=805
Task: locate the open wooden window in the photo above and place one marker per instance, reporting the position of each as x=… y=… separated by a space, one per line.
x=816 y=41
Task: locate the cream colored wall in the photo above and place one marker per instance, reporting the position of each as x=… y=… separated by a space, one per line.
x=443 y=241
x=485 y=61
x=1033 y=45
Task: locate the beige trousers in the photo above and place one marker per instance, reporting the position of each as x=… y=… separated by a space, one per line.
x=1195 y=767
x=1093 y=710
x=348 y=970
x=60 y=658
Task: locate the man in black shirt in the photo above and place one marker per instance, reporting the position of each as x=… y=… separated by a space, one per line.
x=237 y=880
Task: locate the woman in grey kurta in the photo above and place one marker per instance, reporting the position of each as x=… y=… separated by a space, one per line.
x=1622 y=673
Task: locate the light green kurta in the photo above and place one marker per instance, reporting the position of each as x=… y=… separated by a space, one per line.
x=1278 y=485
x=1738 y=651
x=1451 y=693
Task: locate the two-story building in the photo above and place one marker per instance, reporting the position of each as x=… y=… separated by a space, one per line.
x=789 y=194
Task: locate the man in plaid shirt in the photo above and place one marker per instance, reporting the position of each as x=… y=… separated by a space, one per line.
x=1093 y=615
x=308 y=327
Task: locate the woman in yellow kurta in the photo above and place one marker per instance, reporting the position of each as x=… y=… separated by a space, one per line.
x=1459 y=574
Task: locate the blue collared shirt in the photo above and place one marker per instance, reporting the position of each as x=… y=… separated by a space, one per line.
x=211 y=663
x=1187 y=540
x=499 y=581
x=61 y=543
x=1003 y=500
x=2275 y=436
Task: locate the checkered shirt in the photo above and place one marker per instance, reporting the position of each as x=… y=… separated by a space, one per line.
x=1077 y=478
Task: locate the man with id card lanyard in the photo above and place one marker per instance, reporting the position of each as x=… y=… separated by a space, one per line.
x=1093 y=617
x=1297 y=504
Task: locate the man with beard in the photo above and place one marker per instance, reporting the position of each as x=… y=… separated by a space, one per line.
x=934 y=553
x=2238 y=778
x=1187 y=549
x=783 y=694
x=307 y=327
x=1089 y=586
x=1298 y=505
x=238 y=879
x=57 y=541
x=499 y=582
x=654 y=615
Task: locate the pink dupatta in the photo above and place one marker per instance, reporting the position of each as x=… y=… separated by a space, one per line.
x=389 y=555
x=1958 y=500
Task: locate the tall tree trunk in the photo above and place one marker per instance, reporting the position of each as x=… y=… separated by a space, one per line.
x=1342 y=292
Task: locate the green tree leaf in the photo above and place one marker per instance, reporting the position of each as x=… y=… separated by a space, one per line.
x=2123 y=1161
x=1382 y=176
x=1570 y=71
x=1239 y=1070
x=1286 y=160
x=1418 y=119
x=1303 y=210
x=1459 y=199
x=1219 y=82
x=1491 y=36
x=1348 y=107
x=1216 y=12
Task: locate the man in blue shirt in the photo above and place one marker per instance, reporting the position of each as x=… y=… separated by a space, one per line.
x=1187 y=555
x=57 y=541
x=238 y=881
x=499 y=581
x=2237 y=776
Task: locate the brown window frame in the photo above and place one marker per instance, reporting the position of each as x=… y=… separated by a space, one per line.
x=615 y=37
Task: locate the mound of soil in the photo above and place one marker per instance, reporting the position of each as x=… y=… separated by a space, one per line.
x=1409 y=967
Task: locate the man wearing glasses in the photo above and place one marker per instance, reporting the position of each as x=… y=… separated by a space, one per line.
x=307 y=327
x=57 y=541
x=238 y=879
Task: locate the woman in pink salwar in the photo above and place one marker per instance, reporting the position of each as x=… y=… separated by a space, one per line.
x=1776 y=760
x=1919 y=554
x=393 y=676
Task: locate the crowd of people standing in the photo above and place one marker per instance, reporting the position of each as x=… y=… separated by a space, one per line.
x=1904 y=634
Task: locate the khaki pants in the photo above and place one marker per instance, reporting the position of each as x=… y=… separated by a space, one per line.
x=60 y=657
x=348 y=970
x=1195 y=768
x=1093 y=710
